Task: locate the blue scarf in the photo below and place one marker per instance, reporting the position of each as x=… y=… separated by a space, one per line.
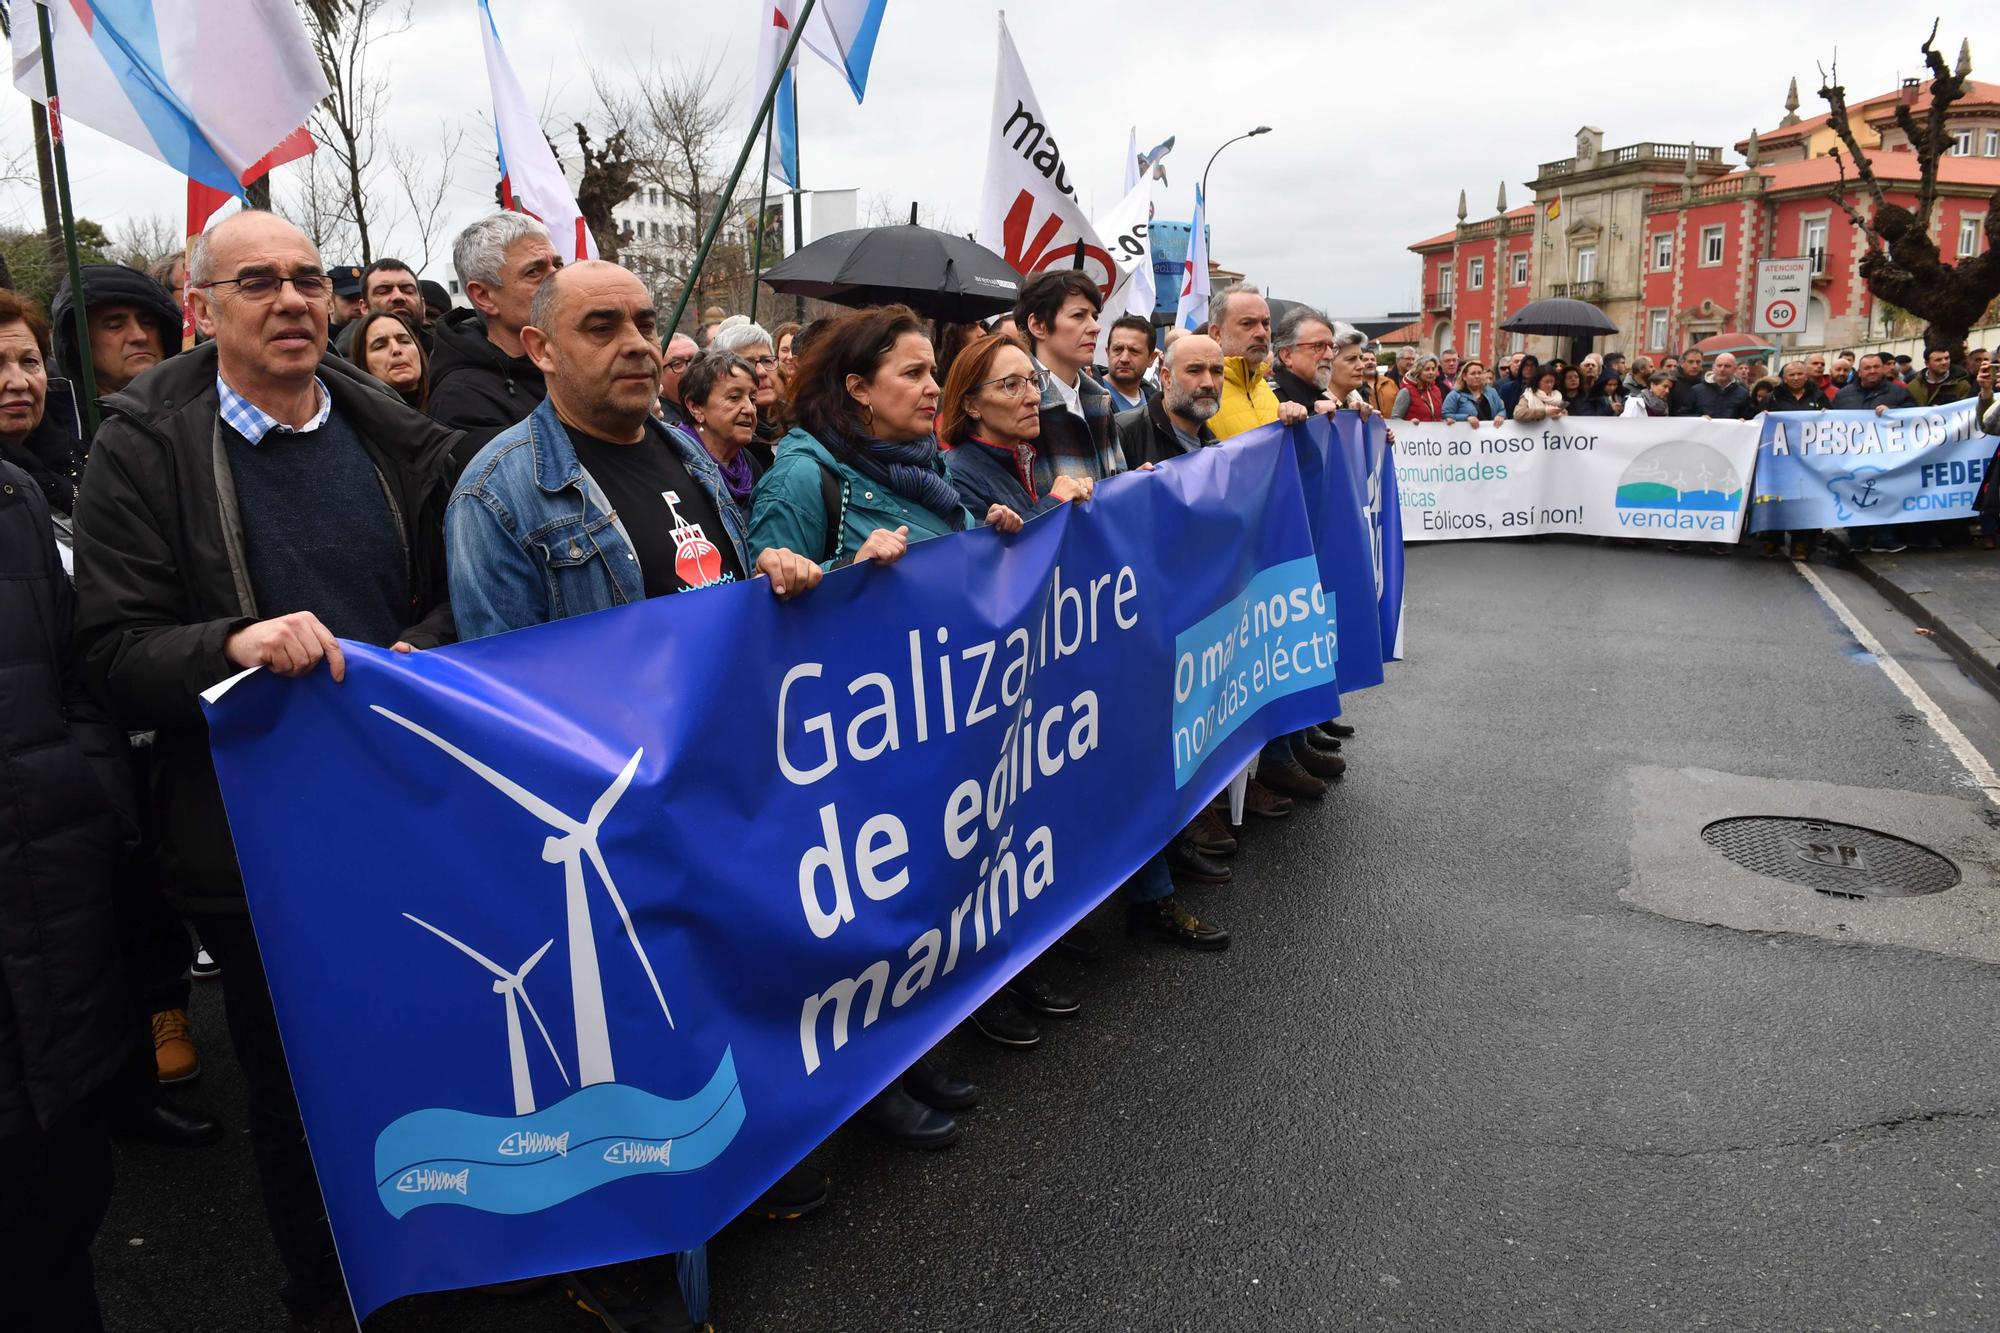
x=910 y=470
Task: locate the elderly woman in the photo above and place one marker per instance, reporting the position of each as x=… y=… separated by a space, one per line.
x=389 y=346
x=719 y=392
x=1421 y=398
x=755 y=346
x=38 y=426
x=860 y=477
x=989 y=418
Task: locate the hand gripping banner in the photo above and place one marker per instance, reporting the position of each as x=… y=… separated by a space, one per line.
x=581 y=936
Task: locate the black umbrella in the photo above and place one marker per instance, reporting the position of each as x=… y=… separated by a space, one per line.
x=1561 y=317
x=936 y=274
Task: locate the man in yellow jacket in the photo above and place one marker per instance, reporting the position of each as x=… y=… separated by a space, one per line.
x=1240 y=319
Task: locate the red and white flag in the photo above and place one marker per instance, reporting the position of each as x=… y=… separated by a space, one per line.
x=531 y=179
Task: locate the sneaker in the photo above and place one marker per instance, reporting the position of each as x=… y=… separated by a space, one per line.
x=204 y=968
x=1001 y=1022
x=173 y=1047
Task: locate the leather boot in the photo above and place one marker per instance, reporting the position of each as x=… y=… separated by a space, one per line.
x=1166 y=919
x=1034 y=992
x=1321 y=739
x=1325 y=767
x=1187 y=865
x=1264 y=803
x=935 y=1086
x=1282 y=774
x=1337 y=729
x=1001 y=1022
x=895 y=1115
x=1210 y=834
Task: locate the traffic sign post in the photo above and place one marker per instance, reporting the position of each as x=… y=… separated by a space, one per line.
x=1783 y=288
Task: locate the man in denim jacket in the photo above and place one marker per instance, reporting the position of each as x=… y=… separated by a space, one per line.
x=591 y=502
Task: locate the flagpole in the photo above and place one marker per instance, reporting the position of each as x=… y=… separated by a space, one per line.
x=60 y=154
x=798 y=203
x=757 y=244
x=736 y=173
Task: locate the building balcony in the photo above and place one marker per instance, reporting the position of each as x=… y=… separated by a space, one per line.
x=1438 y=300
x=1592 y=292
x=1675 y=154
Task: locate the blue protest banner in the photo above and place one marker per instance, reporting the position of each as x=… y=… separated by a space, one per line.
x=580 y=936
x=1857 y=469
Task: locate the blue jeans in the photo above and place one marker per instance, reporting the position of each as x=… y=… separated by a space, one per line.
x=1151 y=882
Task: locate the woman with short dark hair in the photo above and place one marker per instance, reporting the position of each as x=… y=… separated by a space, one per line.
x=719 y=394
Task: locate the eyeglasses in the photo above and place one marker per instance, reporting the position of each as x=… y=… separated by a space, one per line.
x=1316 y=349
x=679 y=363
x=762 y=362
x=264 y=286
x=1017 y=386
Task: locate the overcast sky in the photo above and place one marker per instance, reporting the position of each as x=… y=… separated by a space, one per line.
x=1379 y=117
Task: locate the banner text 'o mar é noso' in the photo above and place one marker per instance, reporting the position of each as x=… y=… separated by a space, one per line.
x=610 y=921
x=1666 y=478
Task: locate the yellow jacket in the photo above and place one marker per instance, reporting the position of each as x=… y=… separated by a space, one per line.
x=1247 y=400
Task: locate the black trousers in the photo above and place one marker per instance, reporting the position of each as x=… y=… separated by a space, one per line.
x=54 y=1187
x=292 y=1200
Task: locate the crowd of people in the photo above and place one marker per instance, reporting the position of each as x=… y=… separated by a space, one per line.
x=1427 y=388
x=342 y=455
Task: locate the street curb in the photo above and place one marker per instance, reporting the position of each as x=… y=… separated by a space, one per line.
x=1964 y=638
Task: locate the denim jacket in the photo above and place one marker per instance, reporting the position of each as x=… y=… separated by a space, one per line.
x=531 y=538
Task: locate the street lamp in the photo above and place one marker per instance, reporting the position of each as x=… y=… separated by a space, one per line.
x=1261 y=129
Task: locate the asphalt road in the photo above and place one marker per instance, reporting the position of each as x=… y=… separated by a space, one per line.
x=1446 y=1078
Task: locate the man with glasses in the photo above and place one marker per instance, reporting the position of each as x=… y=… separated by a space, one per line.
x=481 y=380
x=680 y=354
x=252 y=502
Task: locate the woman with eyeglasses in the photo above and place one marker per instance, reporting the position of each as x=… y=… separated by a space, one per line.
x=751 y=342
x=989 y=418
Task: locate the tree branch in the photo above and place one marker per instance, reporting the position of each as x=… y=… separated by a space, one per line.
x=1836 y=99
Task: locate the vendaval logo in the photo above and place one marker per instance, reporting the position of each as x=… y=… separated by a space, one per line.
x=1854 y=493
x=523 y=1163
x=1680 y=485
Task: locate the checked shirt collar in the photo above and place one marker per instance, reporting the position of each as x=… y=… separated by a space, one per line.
x=253 y=423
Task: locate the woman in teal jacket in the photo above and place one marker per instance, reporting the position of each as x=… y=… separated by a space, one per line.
x=860 y=477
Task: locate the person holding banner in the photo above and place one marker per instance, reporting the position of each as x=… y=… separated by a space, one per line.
x=989 y=417
x=252 y=502
x=1474 y=400
x=1796 y=392
x=1176 y=421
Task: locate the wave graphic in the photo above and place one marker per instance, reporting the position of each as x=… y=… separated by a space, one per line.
x=523 y=1164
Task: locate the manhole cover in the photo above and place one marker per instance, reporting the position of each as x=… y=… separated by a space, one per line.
x=1841 y=860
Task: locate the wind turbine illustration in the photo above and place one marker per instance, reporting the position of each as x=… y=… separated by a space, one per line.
x=513 y=985
x=572 y=843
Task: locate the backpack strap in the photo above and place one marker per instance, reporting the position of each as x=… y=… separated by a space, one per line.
x=833 y=498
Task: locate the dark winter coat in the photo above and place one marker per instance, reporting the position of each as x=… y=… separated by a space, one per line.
x=52 y=453
x=985 y=475
x=1724 y=402
x=109 y=285
x=475 y=387
x=161 y=582
x=66 y=816
x=1955 y=386
x=1855 y=397
x=1146 y=434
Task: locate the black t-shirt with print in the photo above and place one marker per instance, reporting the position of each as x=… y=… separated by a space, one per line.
x=675 y=528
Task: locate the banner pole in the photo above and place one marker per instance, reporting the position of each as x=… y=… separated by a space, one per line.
x=87 y=372
x=757 y=243
x=736 y=173
x=798 y=203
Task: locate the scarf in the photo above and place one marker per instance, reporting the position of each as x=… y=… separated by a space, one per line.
x=910 y=470
x=739 y=477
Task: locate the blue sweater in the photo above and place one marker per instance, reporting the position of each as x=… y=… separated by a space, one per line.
x=318 y=534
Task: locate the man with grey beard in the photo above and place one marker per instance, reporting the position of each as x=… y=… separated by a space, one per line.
x=1176 y=422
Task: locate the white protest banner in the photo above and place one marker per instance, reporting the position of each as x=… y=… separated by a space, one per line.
x=1132 y=251
x=1667 y=478
x=1029 y=213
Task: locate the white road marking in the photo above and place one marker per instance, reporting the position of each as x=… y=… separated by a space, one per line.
x=1973 y=762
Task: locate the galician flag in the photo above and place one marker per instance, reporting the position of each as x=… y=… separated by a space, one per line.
x=219 y=90
x=531 y=180
x=1193 y=310
x=842 y=33
x=782 y=162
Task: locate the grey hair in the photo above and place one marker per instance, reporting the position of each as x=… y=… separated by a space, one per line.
x=1427 y=357
x=481 y=249
x=542 y=306
x=1218 y=303
x=1346 y=335
x=1285 y=329
x=739 y=337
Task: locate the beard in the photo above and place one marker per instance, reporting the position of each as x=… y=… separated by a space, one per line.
x=1323 y=378
x=1195 y=407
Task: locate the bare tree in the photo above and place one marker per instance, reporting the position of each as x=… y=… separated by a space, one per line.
x=423 y=179
x=142 y=241
x=884 y=210
x=318 y=203
x=677 y=127
x=348 y=123
x=1903 y=266
x=607 y=181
